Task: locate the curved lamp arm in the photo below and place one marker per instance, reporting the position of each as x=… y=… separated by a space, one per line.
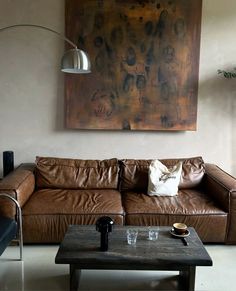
x=42 y=27
x=73 y=61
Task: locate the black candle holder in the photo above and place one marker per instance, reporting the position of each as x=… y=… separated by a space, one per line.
x=104 y=225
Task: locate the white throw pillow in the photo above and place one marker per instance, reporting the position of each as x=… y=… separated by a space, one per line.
x=163 y=181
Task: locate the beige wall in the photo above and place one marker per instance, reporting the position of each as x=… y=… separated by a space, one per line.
x=31 y=95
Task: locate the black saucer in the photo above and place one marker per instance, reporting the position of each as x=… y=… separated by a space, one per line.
x=187 y=233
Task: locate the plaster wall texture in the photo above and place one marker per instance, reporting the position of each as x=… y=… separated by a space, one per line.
x=32 y=92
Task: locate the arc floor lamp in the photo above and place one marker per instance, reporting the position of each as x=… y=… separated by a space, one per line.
x=73 y=61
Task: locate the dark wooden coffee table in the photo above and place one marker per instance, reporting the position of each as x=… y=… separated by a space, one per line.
x=80 y=249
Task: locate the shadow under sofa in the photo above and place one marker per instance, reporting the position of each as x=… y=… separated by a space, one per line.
x=57 y=192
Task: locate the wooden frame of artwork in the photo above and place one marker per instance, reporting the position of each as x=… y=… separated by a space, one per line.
x=145 y=64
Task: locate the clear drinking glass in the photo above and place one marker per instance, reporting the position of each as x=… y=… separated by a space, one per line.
x=153 y=233
x=132 y=235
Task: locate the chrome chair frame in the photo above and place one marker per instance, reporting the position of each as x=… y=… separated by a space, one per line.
x=19 y=236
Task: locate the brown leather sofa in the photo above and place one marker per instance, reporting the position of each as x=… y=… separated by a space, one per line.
x=54 y=193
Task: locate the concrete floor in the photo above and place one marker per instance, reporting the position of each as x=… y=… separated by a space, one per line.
x=39 y=272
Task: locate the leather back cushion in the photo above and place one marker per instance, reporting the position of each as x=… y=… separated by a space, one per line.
x=76 y=174
x=134 y=173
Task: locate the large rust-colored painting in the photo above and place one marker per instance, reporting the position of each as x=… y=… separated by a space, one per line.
x=145 y=61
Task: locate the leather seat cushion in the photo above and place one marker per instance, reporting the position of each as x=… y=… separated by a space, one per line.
x=54 y=209
x=190 y=206
x=190 y=202
x=62 y=201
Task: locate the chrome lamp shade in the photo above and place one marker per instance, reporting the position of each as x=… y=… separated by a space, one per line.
x=75 y=61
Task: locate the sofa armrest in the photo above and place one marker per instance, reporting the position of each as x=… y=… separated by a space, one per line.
x=20 y=184
x=222 y=187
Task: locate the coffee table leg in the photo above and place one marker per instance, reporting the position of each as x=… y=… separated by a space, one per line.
x=74 y=277
x=187 y=278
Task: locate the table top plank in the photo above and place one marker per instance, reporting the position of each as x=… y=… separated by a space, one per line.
x=81 y=247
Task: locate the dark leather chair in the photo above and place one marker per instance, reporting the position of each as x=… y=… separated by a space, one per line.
x=11 y=229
